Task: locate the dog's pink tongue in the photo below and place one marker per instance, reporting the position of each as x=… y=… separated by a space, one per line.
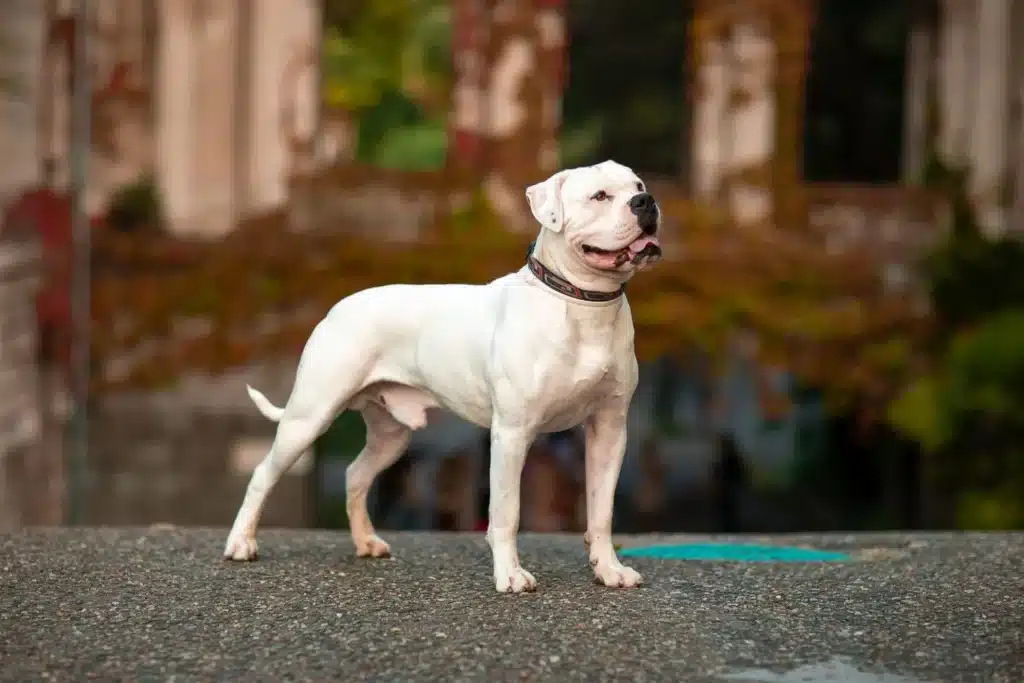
x=638 y=244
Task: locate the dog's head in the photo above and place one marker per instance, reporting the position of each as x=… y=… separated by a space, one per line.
x=602 y=215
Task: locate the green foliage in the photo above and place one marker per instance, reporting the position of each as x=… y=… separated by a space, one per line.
x=970 y=417
x=136 y=206
x=579 y=145
x=625 y=97
x=393 y=134
x=981 y=378
x=415 y=147
x=342 y=441
x=345 y=437
x=985 y=373
x=918 y=413
x=968 y=412
x=388 y=62
x=855 y=91
x=996 y=510
x=385 y=45
x=972 y=277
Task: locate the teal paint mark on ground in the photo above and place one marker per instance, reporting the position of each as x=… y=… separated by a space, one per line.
x=729 y=552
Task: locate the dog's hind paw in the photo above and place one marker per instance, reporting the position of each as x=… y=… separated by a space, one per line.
x=373 y=546
x=241 y=549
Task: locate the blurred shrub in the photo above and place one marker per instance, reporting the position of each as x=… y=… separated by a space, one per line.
x=985 y=373
x=967 y=411
x=388 y=63
x=972 y=276
x=394 y=134
x=136 y=207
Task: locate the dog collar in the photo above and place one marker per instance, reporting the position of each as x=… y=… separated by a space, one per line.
x=563 y=286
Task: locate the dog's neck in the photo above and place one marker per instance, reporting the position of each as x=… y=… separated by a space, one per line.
x=557 y=259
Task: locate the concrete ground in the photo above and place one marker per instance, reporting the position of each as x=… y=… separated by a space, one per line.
x=160 y=604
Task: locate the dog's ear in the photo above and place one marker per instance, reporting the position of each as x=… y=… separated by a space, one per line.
x=546 y=201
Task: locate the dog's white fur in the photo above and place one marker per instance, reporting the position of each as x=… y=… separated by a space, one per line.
x=512 y=355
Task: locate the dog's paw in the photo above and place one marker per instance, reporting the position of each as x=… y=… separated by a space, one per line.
x=616 y=575
x=372 y=546
x=514 y=580
x=241 y=549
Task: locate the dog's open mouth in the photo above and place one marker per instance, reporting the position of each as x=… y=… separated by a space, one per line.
x=639 y=249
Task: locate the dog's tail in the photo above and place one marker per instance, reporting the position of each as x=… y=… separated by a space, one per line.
x=269 y=410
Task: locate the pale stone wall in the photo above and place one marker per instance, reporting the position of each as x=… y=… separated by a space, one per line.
x=232 y=98
x=990 y=129
x=1016 y=145
x=285 y=95
x=21 y=39
x=209 y=97
x=20 y=406
x=183 y=455
x=508 y=61
x=196 y=114
x=735 y=111
x=919 y=88
x=980 y=87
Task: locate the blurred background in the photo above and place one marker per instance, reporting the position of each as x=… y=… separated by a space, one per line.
x=835 y=339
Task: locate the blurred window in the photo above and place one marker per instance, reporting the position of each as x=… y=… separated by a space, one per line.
x=855 y=92
x=625 y=97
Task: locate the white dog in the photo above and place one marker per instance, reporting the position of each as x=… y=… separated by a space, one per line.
x=540 y=350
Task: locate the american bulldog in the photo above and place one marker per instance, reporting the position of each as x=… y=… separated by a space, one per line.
x=540 y=350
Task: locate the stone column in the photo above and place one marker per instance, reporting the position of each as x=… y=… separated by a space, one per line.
x=1016 y=220
x=750 y=68
x=31 y=479
x=21 y=37
x=956 y=73
x=280 y=107
x=175 y=93
x=922 y=53
x=712 y=84
x=466 y=121
x=752 y=122
x=215 y=27
x=56 y=113
x=989 y=137
x=122 y=117
x=524 y=62
x=553 y=47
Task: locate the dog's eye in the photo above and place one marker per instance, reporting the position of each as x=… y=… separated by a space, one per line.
x=600 y=196
x=639 y=187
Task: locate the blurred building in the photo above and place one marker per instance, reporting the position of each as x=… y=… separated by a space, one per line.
x=218 y=101
x=965 y=87
x=207 y=97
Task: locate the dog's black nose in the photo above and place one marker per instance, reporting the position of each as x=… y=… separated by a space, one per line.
x=641 y=203
x=645 y=209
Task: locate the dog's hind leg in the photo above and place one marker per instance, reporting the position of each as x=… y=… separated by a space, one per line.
x=325 y=383
x=386 y=441
x=295 y=435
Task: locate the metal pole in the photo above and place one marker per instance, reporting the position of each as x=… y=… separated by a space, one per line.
x=81 y=317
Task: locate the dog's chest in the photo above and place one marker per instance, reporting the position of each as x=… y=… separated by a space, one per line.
x=593 y=363
x=583 y=376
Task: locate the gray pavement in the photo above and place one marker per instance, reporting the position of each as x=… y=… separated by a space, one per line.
x=159 y=604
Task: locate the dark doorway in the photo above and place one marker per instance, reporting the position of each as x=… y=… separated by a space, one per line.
x=855 y=99
x=625 y=97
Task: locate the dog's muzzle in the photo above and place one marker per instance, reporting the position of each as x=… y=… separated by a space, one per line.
x=645 y=209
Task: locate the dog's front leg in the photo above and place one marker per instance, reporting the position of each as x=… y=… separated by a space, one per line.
x=508 y=454
x=606 y=445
